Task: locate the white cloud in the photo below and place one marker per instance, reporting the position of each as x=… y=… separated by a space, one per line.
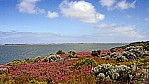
x=122 y=5
x=146 y=19
x=121 y=30
x=52 y=14
x=84 y=11
x=107 y=3
x=117 y=4
x=29 y=6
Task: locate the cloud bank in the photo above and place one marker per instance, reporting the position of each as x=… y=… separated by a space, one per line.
x=103 y=33
x=126 y=31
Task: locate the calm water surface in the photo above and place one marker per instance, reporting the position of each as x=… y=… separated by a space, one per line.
x=10 y=53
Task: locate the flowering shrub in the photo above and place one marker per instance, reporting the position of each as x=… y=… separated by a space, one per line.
x=54 y=72
x=131 y=53
x=72 y=54
x=3 y=70
x=54 y=58
x=118 y=73
x=51 y=58
x=83 y=54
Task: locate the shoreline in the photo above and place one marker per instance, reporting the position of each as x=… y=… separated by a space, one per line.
x=55 y=44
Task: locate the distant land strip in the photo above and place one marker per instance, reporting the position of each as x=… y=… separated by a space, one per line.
x=53 y=44
x=34 y=44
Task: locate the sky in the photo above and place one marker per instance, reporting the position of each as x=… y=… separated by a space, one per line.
x=74 y=21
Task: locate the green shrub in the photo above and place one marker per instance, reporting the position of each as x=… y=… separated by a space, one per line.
x=60 y=52
x=94 y=53
x=99 y=51
x=72 y=54
x=14 y=63
x=86 y=62
x=33 y=81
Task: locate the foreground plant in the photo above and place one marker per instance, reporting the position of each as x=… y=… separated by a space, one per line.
x=60 y=52
x=96 y=53
x=87 y=62
x=72 y=54
x=117 y=73
x=14 y=63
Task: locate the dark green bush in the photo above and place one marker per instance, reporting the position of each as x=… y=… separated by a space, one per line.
x=60 y=52
x=72 y=54
x=94 y=53
x=99 y=51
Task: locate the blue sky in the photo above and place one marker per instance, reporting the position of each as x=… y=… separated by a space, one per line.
x=73 y=21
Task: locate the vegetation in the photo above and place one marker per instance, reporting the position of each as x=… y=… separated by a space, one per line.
x=86 y=61
x=145 y=45
x=127 y=65
x=118 y=73
x=14 y=63
x=60 y=52
x=96 y=53
x=72 y=54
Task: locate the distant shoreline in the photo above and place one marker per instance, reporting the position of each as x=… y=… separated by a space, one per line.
x=27 y=44
x=53 y=44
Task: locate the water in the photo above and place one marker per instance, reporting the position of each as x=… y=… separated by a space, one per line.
x=10 y=53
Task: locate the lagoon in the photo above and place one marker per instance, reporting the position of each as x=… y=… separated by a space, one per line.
x=10 y=53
